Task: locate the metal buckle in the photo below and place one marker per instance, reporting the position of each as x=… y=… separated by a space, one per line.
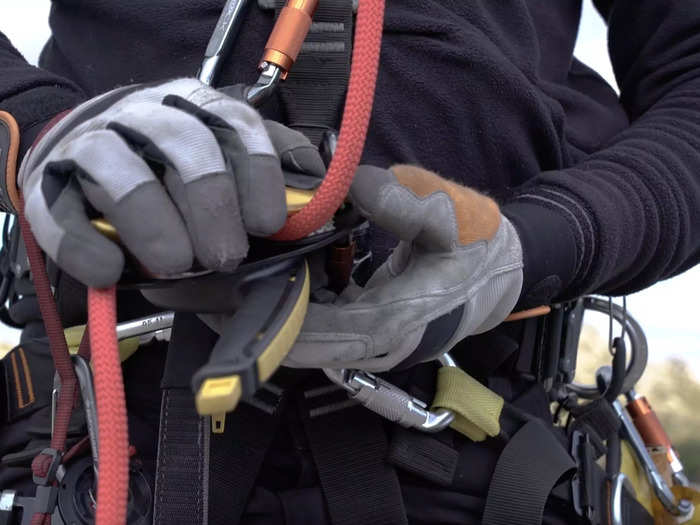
x=391 y=402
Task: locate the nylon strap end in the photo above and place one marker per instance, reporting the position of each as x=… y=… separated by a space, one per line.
x=9 y=151
x=477 y=409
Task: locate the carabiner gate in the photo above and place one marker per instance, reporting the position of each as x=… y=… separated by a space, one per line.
x=391 y=402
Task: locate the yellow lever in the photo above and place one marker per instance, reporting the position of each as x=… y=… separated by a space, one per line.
x=296 y=200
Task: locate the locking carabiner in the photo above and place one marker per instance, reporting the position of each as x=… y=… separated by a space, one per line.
x=391 y=402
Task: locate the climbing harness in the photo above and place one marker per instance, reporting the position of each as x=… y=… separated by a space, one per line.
x=272 y=290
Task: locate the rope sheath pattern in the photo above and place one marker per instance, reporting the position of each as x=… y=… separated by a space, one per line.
x=113 y=479
x=54 y=331
x=59 y=353
x=353 y=130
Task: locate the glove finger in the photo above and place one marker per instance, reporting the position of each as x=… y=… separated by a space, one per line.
x=242 y=137
x=118 y=183
x=196 y=177
x=301 y=161
x=419 y=206
x=55 y=210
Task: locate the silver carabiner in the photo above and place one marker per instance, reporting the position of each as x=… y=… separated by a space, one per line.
x=156 y=326
x=391 y=402
x=661 y=489
x=87 y=393
x=618 y=484
x=227 y=27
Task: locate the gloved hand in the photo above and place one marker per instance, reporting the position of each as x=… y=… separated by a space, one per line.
x=458 y=266
x=180 y=169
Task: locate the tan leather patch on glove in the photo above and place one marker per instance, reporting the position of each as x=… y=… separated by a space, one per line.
x=478 y=216
x=9 y=149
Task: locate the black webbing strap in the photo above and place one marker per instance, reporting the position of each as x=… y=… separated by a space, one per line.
x=423 y=455
x=314 y=93
x=205 y=478
x=25 y=372
x=183 y=437
x=597 y=418
x=235 y=458
x=349 y=448
x=202 y=477
x=525 y=474
x=182 y=471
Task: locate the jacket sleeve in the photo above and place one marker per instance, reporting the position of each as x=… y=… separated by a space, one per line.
x=629 y=214
x=33 y=97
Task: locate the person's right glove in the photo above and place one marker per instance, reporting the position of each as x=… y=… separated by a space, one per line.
x=456 y=272
x=181 y=170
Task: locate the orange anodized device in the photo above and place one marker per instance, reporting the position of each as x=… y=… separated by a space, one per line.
x=653 y=433
x=288 y=35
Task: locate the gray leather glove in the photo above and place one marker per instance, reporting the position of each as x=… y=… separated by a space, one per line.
x=457 y=255
x=181 y=170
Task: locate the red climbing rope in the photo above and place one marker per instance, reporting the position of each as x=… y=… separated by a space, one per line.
x=59 y=352
x=353 y=130
x=113 y=478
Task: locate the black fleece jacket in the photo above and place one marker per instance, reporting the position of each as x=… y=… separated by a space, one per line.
x=604 y=191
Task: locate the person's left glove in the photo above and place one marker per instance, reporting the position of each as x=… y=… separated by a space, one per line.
x=181 y=171
x=456 y=272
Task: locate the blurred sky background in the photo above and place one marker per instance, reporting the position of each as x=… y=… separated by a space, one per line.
x=666 y=311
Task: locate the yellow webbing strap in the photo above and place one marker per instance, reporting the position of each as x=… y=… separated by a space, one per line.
x=645 y=496
x=693 y=495
x=631 y=468
x=74 y=335
x=477 y=409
